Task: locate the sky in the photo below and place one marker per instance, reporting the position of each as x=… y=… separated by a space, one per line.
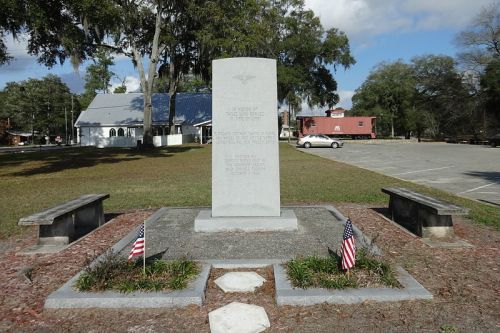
x=378 y=31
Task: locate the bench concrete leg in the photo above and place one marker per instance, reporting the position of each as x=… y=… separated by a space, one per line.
x=88 y=219
x=435 y=226
x=61 y=232
x=419 y=219
x=405 y=213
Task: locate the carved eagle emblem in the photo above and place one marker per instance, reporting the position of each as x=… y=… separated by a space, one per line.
x=244 y=78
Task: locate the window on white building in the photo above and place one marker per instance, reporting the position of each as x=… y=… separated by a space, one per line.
x=159 y=131
x=121 y=132
x=112 y=132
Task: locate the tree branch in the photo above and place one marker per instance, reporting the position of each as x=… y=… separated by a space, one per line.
x=140 y=68
x=155 y=50
x=116 y=49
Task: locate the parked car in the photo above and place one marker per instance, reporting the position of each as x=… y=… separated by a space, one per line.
x=319 y=140
x=494 y=140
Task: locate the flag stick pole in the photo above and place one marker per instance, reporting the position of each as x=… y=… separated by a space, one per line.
x=144 y=254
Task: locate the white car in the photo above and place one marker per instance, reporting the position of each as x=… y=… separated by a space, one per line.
x=319 y=140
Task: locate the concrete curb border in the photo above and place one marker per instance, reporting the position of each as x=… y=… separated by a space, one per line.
x=243 y=263
x=288 y=295
x=66 y=297
x=360 y=237
x=204 y=222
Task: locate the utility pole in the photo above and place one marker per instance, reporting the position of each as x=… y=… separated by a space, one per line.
x=32 y=119
x=32 y=127
x=47 y=137
x=48 y=116
x=66 y=126
x=72 y=125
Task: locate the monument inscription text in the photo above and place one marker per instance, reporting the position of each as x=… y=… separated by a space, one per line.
x=245 y=166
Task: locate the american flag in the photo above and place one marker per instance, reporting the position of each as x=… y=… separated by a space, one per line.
x=138 y=246
x=348 y=247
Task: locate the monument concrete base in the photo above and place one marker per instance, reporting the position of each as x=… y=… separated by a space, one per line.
x=204 y=222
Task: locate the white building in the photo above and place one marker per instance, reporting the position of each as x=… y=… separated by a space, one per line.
x=115 y=120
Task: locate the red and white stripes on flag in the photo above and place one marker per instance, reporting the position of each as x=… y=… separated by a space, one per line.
x=348 y=247
x=138 y=246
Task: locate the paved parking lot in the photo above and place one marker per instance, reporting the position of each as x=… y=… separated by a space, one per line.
x=466 y=170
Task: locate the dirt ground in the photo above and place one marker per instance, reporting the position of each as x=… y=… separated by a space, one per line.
x=465 y=283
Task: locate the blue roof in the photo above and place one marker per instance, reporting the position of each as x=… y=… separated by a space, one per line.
x=128 y=109
x=193 y=108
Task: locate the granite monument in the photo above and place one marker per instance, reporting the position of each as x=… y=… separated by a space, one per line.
x=245 y=152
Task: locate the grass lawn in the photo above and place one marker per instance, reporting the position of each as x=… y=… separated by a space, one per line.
x=180 y=176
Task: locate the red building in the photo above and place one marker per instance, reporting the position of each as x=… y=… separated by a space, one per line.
x=335 y=124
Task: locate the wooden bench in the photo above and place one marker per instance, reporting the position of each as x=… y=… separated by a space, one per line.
x=423 y=215
x=68 y=221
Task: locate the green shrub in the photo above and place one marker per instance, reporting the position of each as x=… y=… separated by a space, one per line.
x=313 y=271
x=327 y=265
x=299 y=273
x=373 y=265
x=97 y=277
x=114 y=272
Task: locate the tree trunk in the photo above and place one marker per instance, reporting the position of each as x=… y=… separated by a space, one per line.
x=290 y=110
x=171 y=111
x=392 y=125
x=147 y=83
x=172 y=93
x=147 y=138
x=147 y=135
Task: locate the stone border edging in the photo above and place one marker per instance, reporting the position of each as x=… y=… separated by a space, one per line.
x=67 y=297
x=288 y=295
x=243 y=263
x=360 y=237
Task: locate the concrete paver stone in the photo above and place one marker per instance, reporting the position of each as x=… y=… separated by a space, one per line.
x=239 y=282
x=238 y=318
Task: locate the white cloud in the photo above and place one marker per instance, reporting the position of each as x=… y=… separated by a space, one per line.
x=17 y=48
x=344 y=102
x=358 y=17
x=345 y=99
x=132 y=83
x=317 y=110
x=364 y=18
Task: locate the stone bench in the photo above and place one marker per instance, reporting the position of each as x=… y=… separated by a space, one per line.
x=423 y=215
x=68 y=221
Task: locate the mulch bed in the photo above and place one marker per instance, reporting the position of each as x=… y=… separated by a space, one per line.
x=465 y=283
